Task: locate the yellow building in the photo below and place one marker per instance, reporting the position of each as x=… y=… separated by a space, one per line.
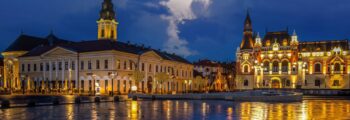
x=280 y=60
x=103 y=66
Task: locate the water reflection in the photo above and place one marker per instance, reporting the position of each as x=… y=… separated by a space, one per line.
x=184 y=110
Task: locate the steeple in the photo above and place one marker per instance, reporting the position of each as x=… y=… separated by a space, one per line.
x=107 y=23
x=247 y=42
x=248 y=23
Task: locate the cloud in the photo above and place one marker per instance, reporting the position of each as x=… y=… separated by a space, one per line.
x=180 y=12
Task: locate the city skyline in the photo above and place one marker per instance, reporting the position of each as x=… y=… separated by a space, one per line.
x=208 y=29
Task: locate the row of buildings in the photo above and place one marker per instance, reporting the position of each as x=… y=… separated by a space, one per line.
x=104 y=66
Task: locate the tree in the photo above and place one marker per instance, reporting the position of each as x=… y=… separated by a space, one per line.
x=161 y=78
x=137 y=76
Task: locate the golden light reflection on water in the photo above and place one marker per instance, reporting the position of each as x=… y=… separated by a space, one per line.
x=134 y=110
x=69 y=112
x=167 y=110
x=291 y=111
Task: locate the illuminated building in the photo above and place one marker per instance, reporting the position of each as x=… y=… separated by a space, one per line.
x=280 y=60
x=53 y=65
x=219 y=75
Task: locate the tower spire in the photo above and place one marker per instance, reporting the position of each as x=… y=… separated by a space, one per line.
x=107 y=23
x=248 y=23
x=247 y=42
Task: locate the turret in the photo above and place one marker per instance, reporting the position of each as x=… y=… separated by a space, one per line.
x=294 y=38
x=257 y=41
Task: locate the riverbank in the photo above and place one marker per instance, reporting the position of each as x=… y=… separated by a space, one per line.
x=249 y=96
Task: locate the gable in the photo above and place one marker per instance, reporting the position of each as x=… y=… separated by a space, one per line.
x=151 y=54
x=337 y=58
x=58 y=51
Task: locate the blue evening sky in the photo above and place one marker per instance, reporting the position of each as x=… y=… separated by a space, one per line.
x=197 y=29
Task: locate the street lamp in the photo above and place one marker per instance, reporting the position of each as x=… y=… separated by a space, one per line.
x=94 y=86
x=112 y=76
x=23 y=79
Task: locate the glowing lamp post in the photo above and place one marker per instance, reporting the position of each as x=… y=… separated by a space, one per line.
x=133 y=89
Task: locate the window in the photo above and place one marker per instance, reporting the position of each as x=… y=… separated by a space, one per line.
x=103 y=33
x=317 y=67
x=275 y=66
x=97 y=64
x=82 y=65
x=73 y=65
x=53 y=66
x=246 y=82
x=245 y=69
x=336 y=83
x=336 y=67
x=285 y=66
x=23 y=68
x=41 y=67
x=82 y=84
x=47 y=67
x=28 y=67
x=66 y=65
x=59 y=65
x=317 y=82
x=305 y=82
x=125 y=65
x=106 y=64
x=35 y=67
x=89 y=65
x=143 y=67
x=150 y=68
x=156 y=68
x=118 y=64
x=112 y=34
x=266 y=66
x=130 y=65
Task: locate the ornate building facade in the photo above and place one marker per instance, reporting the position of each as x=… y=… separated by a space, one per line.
x=103 y=66
x=280 y=60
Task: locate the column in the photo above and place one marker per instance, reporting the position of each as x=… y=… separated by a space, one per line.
x=62 y=73
x=76 y=74
x=50 y=74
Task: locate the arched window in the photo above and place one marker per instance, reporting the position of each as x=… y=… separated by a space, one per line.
x=285 y=66
x=245 y=69
x=275 y=66
x=318 y=67
x=336 y=67
x=266 y=66
x=246 y=82
x=317 y=82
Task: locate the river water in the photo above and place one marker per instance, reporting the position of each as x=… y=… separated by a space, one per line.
x=186 y=110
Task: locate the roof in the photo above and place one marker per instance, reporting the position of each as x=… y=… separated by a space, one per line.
x=27 y=43
x=323 y=45
x=105 y=45
x=277 y=36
